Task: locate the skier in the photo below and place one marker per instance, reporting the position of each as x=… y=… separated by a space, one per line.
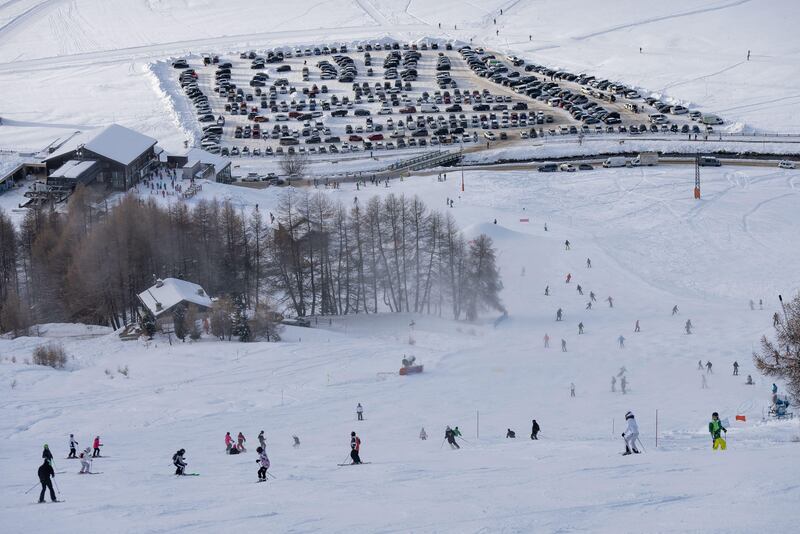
x=715 y=428
x=45 y=473
x=636 y=328
x=85 y=462
x=589 y=305
x=360 y=412
x=571 y=389
x=703 y=382
x=457 y=432
x=592 y=298
x=228 y=442
x=613 y=384
x=264 y=461
x=450 y=436
x=752 y=305
x=179 y=462
x=760 y=304
x=623 y=383
x=46 y=454
x=96 y=446
x=735 y=368
x=545 y=227
x=580 y=289
x=688 y=326
x=708 y=367
x=296 y=441
x=355 y=447
x=748 y=55
x=563 y=345
x=610 y=302
x=588 y=263
x=580 y=328
x=630 y=435
x=566 y=244
x=534 y=429
x=547 y=291
x=262 y=440
x=72 y=447
x=675 y=310
x=621 y=340
x=422 y=434
x=776 y=319
x=559 y=313
x=546 y=341
x=240 y=439
x=569 y=277
x=511 y=434
x=699 y=365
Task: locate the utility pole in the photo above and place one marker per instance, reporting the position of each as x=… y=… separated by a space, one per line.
x=697 y=177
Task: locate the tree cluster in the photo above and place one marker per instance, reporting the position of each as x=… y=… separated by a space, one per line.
x=781 y=358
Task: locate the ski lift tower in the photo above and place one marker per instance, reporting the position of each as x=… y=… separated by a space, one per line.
x=697 y=177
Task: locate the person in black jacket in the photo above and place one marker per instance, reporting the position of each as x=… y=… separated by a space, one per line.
x=45 y=473
x=179 y=462
x=534 y=429
x=46 y=454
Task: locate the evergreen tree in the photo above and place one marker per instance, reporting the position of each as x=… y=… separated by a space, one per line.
x=179 y=322
x=148 y=324
x=241 y=326
x=781 y=358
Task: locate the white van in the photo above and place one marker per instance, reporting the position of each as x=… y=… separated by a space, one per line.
x=615 y=161
x=711 y=119
x=428 y=108
x=645 y=159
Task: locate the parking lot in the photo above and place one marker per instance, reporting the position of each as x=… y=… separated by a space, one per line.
x=399 y=96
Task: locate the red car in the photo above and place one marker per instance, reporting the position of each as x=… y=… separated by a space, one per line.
x=376 y=137
x=355 y=138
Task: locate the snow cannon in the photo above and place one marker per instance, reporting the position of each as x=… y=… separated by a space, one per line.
x=410 y=366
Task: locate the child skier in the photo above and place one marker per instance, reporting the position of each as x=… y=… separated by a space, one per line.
x=262 y=440
x=179 y=462
x=422 y=434
x=72 y=446
x=296 y=441
x=46 y=454
x=264 y=461
x=84 y=457
x=228 y=442
x=240 y=442
x=360 y=412
x=511 y=434
x=630 y=435
x=715 y=428
x=355 y=448
x=96 y=446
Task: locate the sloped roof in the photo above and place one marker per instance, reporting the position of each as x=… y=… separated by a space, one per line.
x=114 y=142
x=198 y=154
x=169 y=292
x=73 y=169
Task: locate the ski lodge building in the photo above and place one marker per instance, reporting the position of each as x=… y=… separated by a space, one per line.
x=162 y=298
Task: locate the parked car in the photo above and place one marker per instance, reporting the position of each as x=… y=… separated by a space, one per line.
x=786 y=164
x=567 y=167
x=548 y=167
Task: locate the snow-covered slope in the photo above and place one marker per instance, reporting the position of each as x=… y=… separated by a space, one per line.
x=651 y=247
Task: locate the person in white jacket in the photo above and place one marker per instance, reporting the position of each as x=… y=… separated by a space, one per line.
x=631 y=434
x=85 y=459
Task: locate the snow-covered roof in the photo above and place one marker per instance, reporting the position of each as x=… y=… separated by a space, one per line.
x=198 y=154
x=169 y=292
x=73 y=169
x=114 y=142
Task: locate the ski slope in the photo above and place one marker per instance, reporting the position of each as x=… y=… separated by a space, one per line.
x=69 y=65
x=651 y=247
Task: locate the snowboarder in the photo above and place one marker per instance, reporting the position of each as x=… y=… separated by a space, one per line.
x=450 y=436
x=715 y=428
x=610 y=302
x=264 y=461
x=228 y=442
x=749 y=380
x=46 y=454
x=636 y=328
x=511 y=434
x=613 y=384
x=630 y=435
x=534 y=429
x=46 y=473
x=735 y=368
x=72 y=447
x=262 y=440
x=86 y=466
x=422 y=434
x=588 y=263
x=547 y=291
x=546 y=341
x=688 y=326
x=708 y=367
x=571 y=389
x=559 y=314
x=563 y=345
x=296 y=441
x=569 y=277
x=355 y=448
x=360 y=412
x=96 y=445
x=623 y=383
x=566 y=244
x=580 y=328
x=621 y=341
x=179 y=462
x=240 y=439
x=580 y=289
x=592 y=298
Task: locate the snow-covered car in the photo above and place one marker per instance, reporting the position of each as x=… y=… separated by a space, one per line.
x=786 y=164
x=490 y=136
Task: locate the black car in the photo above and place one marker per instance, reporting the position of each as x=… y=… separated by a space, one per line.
x=548 y=167
x=284 y=68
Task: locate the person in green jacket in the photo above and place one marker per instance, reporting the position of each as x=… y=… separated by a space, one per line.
x=715 y=428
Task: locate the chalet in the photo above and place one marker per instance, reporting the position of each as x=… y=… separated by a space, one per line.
x=198 y=164
x=162 y=298
x=116 y=156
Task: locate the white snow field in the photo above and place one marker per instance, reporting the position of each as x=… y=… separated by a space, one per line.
x=651 y=247
x=69 y=65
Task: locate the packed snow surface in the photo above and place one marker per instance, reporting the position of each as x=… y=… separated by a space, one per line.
x=651 y=247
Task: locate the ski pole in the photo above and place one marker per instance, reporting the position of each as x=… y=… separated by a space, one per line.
x=56 y=484
x=442 y=445
x=270 y=474
x=641 y=444
x=27 y=492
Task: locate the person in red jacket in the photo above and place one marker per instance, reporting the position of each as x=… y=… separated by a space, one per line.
x=355 y=447
x=96 y=445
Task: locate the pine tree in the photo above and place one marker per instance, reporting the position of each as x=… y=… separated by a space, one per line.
x=148 y=324
x=179 y=321
x=781 y=358
x=241 y=326
x=483 y=278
